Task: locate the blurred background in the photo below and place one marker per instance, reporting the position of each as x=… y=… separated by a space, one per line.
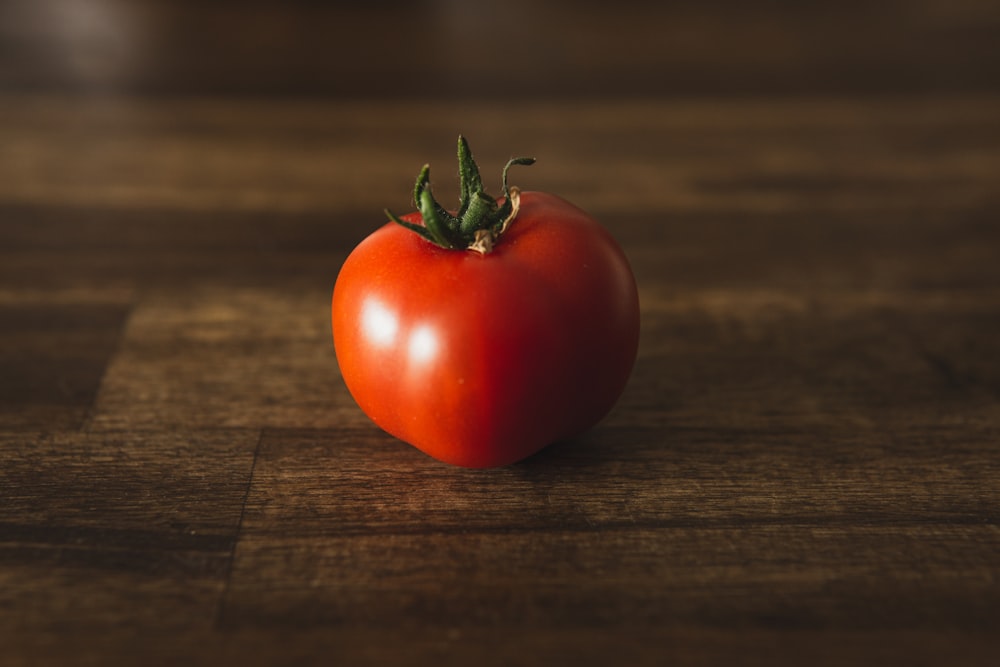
x=487 y=49
x=258 y=104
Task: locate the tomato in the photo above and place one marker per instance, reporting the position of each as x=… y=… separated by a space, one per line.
x=481 y=357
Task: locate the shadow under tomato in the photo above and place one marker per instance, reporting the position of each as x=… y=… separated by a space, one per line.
x=592 y=448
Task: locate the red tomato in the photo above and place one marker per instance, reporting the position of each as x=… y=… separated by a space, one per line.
x=482 y=359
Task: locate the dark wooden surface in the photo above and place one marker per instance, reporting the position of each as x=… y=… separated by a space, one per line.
x=804 y=468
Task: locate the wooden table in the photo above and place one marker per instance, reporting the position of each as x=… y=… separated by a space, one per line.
x=804 y=467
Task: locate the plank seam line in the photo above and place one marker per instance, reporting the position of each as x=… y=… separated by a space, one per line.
x=224 y=596
x=88 y=417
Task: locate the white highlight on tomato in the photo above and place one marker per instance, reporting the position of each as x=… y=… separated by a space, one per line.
x=423 y=344
x=379 y=323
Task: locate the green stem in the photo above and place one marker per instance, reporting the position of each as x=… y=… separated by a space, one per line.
x=480 y=208
x=525 y=161
x=478 y=212
x=468 y=174
x=436 y=227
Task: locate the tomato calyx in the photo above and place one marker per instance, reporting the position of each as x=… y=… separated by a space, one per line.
x=479 y=221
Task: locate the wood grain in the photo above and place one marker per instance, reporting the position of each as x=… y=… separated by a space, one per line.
x=776 y=531
x=805 y=456
x=274 y=157
x=118 y=530
x=804 y=467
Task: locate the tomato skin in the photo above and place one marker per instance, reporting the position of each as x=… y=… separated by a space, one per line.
x=482 y=360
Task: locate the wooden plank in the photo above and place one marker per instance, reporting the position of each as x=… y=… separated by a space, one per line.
x=692 y=528
x=737 y=358
x=104 y=531
x=785 y=577
x=503 y=646
x=340 y=483
x=725 y=323
x=613 y=158
x=224 y=356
